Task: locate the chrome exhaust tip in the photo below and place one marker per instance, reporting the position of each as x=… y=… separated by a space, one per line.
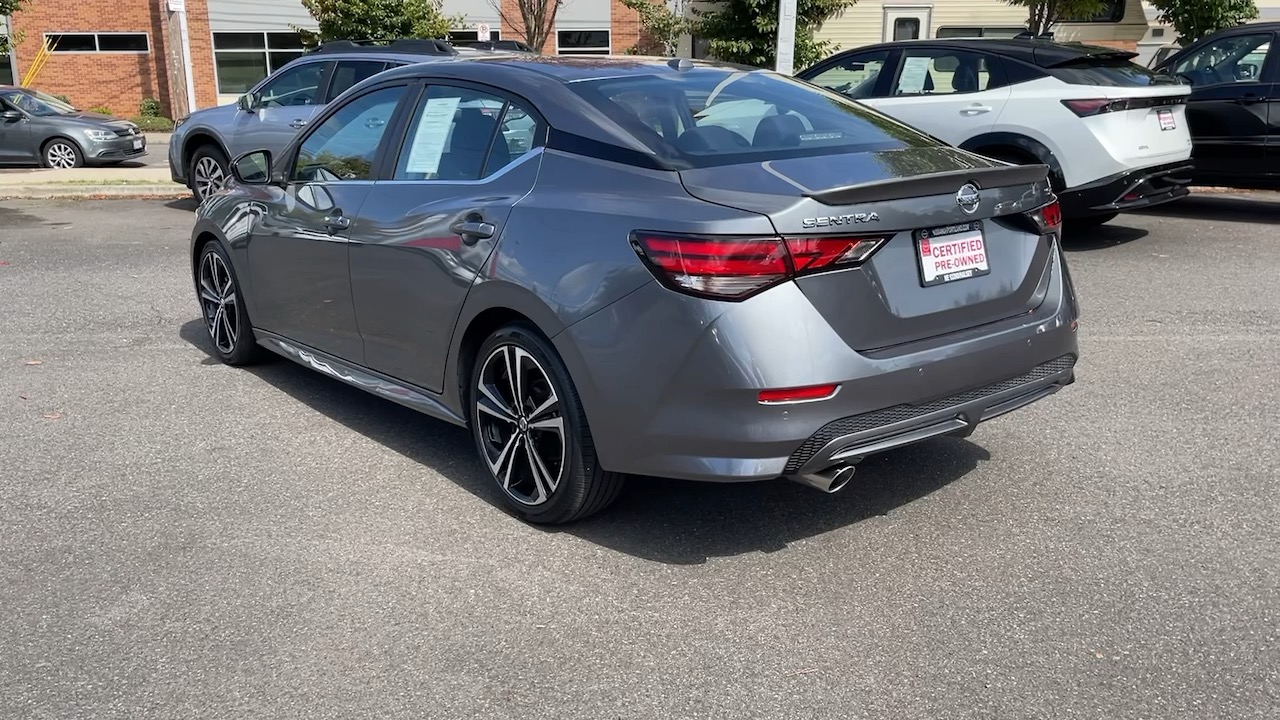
x=829 y=481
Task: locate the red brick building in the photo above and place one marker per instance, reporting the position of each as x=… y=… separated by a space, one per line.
x=115 y=53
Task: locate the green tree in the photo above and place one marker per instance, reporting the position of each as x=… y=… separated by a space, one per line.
x=376 y=19
x=1042 y=15
x=1194 y=19
x=661 y=27
x=535 y=20
x=7 y=8
x=746 y=31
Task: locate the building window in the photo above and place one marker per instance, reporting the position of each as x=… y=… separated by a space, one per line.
x=583 y=42
x=470 y=36
x=906 y=29
x=241 y=59
x=6 y=69
x=99 y=42
x=979 y=32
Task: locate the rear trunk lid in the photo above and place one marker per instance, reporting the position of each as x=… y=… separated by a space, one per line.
x=1138 y=115
x=949 y=261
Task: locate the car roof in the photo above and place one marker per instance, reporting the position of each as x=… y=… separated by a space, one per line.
x=1042 y=53
x=574 y=68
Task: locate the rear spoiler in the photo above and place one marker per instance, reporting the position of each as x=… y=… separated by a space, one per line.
x=943 y=183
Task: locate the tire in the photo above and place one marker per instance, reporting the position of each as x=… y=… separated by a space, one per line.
x=544 y=475
x=222 y=307
x=209 y=171
x=61 y=154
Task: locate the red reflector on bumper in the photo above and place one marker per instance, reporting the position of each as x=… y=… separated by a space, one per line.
x=799 y=394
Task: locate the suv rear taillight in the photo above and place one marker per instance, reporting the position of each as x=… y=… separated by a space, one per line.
x=1047 y=219
x=736 y=267
x=1101 y=106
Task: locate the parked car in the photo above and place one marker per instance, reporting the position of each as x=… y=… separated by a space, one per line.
x=1161 y=54
x=275 y=109
x=1113 y=134
x=1234 y=107
x=39 y=129
x=642 y=292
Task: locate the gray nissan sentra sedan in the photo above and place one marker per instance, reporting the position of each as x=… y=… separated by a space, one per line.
x=687 y=269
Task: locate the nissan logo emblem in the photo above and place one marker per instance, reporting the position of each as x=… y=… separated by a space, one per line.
x=968 y=199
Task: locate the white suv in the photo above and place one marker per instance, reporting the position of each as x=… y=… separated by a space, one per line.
x=1114 y=134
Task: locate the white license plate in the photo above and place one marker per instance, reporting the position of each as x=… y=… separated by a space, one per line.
x=951 y=253
x=1167 y=121
x=137 y=144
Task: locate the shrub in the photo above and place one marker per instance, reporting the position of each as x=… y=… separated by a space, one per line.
x=64 y=99
x=150 y=107
x=101 y=110
x=148 y=123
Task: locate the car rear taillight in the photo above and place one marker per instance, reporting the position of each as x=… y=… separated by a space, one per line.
x=736 y=267
x=1047 y=219
x=1097 y=106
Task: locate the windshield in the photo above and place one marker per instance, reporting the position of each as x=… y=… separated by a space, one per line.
x=34 y=102
x=713 y=116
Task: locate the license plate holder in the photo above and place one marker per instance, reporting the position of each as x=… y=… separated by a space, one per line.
x=1167 y=120
x=137 y=144
x=952 y=252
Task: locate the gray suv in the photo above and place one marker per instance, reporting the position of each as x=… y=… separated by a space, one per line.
x=272 y=113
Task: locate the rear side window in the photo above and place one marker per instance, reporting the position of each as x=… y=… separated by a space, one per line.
x=1107 y=72
x=707 y=117
x=349 y=72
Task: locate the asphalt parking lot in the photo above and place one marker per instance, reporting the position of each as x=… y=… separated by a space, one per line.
x=180 y=539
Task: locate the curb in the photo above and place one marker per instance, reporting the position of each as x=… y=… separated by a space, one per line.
x=55 y=191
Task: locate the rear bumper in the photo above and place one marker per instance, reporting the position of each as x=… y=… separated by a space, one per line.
x=1129 y=190
x=673 y=398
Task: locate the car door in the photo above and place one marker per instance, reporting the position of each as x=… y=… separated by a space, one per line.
x=1229 y=107
x=284 y=104
x=469 y=154
x=15 y=136
x=951 y=94
x=858 y=76
x=297 y=251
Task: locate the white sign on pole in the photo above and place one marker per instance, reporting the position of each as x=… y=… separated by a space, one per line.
x=482 y=32
x=786 y=55
x=177 y=5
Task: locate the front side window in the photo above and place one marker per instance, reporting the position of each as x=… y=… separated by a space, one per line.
x=462 y=134
x=943 y=72
x=34 y=102
x=297 y=85
x=708 y=117
x=583 y=42
x=1229 y=60
x=343 y=147
x=855 y=77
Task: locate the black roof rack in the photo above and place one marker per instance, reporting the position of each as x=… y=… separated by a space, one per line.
x=413 y=46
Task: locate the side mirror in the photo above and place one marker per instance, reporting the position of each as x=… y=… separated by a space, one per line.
x=253 y=168
x=10 y=115
x=249 y=102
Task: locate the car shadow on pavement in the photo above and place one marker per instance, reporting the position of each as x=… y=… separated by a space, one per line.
x=1102 y=237
x=1222 y=208
x=665 y=521
x=187 y=203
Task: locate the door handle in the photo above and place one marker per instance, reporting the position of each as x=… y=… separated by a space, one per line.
x=975 y=110
x=473 y=229
x=336 y=222
x=374 y=123
x=298 y=124
x=1250 y=99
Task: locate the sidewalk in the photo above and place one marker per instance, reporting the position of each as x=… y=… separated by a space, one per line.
x=133 y=182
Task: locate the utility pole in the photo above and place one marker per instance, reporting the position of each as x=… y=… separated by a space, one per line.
x=785 y=58
x=182 y=85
